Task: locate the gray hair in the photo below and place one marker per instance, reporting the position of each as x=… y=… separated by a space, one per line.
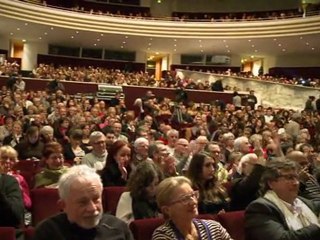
x=227 y=135
x=245 y=159
x=237 y=143
x=46 y=129
x=95 y=135
x=172 y=132
x=140 y=140
x=75 y=174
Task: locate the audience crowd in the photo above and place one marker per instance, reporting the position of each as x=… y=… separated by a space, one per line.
x=223 y=150
x=144 y=13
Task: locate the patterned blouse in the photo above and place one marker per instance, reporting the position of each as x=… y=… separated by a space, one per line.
x=207 y=230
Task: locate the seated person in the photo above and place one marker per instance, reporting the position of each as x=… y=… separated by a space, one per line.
x=213 y=197
x=245 y=187
x=280 y=213
x=139 y=202
x=9 y=157
x=74 y=150
x=117 y=169
x=97 y=157
x=11 y=202
x=179 y=204
x=54 y=168
x=80 y=191
x=30 y=147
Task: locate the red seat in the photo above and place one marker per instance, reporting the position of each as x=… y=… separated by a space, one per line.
x=142 y=229
x=110 y=198
x=26 y=165
x=44 y=204
x=233 y=222
x=7 y=233
x=29 y=233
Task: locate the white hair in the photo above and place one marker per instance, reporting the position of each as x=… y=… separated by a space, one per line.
x=74 y=174
x=140 y=140
x=46 y=129
x=95 y=135
x=237 y=143
x=245 y=159
x=173 y=132
x=227 y=135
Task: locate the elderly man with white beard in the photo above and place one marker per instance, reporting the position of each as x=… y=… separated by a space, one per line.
x=80 y=191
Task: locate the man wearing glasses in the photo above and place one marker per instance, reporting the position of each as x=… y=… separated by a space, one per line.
x=280 y=213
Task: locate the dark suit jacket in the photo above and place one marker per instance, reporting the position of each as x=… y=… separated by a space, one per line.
x=264 y=221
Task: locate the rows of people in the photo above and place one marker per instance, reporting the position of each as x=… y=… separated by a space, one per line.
x=221 y=146
x=144 y=13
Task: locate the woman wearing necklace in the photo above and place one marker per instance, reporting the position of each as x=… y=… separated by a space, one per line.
x=179 y=204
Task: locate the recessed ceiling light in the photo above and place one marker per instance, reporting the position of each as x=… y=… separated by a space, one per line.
x=101 y=35
x=224 y=40
x=279 y=44
x=45 y=33
x=40 y=38
x=274 y=39
x=98 y=40
x=149 y=44
x=175 y=50
x=175 y=45
x=23 y=40
x=26 y=24
x=72 y=36
x=227 y=46
x=249 y=40
x=252 y=45
x=126 y=36
x=11 y=33
x=148 y=48
x=301 y=37
x=157 y=53
x=18 y=29
x=283 y=50
x=121 y=46
x=151 y=39
x=124 y=42
x=175 y=40
x=201 y=46
x=77 y=32
x=201 y=50
x=199 y=40
x=312 y=48
x=228 y=50
x=51 y=28
x=94 y=44
x=255 y=50
x=307 y=43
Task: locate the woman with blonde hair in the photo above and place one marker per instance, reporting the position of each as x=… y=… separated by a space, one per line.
x=179 y=204
x=8 y=158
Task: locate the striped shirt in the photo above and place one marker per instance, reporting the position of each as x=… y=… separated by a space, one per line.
x=207 y=230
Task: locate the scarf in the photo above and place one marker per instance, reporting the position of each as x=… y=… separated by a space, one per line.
x=297 y=216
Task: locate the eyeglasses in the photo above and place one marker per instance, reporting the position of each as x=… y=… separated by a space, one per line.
x=289 y=177
x=186 y=199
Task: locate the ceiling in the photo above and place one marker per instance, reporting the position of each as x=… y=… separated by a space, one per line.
x=251 y=47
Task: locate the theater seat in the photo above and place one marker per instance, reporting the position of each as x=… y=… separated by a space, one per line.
x=142 y=229
x=7 y=233
x=233 y=222
x=110 y=198
x=44 y=204
x=29 y=233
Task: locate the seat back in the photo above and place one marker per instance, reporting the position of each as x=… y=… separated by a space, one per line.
x=29 y=233
x=7 y=233
x=233 y=222
x=110 y=198
x=143 y=229
x=44 y=204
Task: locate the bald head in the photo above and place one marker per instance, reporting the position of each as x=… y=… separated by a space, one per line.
x=298 y=157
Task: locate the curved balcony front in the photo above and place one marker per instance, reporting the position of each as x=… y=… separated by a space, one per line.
x=157 y=28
